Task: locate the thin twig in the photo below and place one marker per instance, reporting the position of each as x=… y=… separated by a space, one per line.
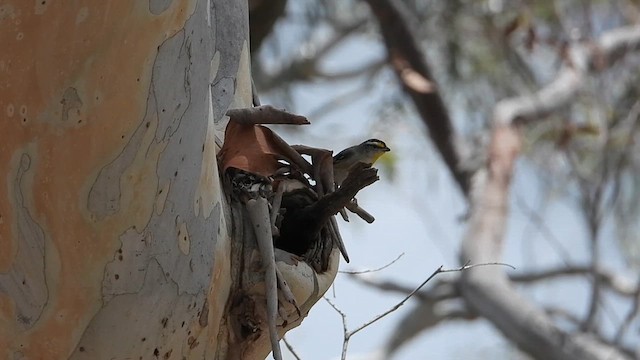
x=632 y=121
x=291 y=349
x=633 y=312
x=618 y=284
x=562 y=314
x=348 y=334
x=341 y=100
x=367 y=70
x=547 y=234
x=372 y=270
x=439 y=270
x=305 y=66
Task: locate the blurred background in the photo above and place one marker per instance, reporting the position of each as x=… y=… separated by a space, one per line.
x=434 y=80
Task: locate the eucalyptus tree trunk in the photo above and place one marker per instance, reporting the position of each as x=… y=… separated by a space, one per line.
x=114 y=240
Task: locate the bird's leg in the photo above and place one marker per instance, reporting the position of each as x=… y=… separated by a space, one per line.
x=258 y=209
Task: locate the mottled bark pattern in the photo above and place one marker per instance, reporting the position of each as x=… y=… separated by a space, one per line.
x=114 y=238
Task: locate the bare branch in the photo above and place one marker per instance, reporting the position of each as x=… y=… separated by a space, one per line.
x=616 y=283
x=390 y=285
x=441 y=290
x=546 y=274
x=406 y=298
x=348 y=334
x=592 y=196
x=416 y=79
x=262 y=17
x=339 y=101
x=367 y=70
x=630 y=124
x=609 y=48
x=426 y=315
x=613 y=45
x=548 y=235
x=291 y=349
x=305 y=67
x=422 y=317
x=373 y=270
x=563 y=314
x=633 y=312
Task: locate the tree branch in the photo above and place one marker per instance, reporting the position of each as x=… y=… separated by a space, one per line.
x=488 y=291
x=353 y=272
x=263 y=15
x=348 y=334
x=412 y=70
x=608 y=49
x=618 y=284
x=439 y=291
x=291 y=349
x=305 y=67
x=633 y=312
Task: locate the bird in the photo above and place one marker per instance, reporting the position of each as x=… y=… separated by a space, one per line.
x=367 y=152
x=306 y=214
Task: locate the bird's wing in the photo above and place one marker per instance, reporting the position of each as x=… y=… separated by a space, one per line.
x=342 y=155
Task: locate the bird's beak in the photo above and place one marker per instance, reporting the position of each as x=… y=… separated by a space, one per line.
x=386 y=149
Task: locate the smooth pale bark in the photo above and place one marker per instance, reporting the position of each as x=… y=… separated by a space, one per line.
x=114 y=242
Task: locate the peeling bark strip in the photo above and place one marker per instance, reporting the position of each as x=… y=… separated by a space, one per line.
x=414 y=74
x=259 y=216
x=265 y=114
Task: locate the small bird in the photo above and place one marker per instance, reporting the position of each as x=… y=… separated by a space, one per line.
x=367 y=152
